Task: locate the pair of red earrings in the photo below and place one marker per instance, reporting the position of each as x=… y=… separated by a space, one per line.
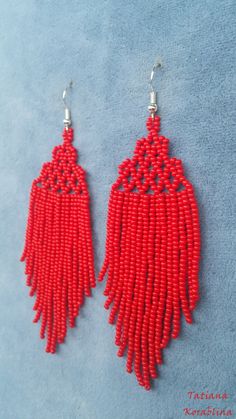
x=152 y=247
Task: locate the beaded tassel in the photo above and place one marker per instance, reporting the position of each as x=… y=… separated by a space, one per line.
x=58 y=250
x=152 y=253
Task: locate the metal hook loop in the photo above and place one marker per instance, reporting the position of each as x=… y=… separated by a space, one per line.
x=65 y=92
x=153 y=94
x=67 y=119
x=154 y=69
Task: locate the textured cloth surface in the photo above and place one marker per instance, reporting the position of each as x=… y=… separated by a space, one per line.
x=108 y=48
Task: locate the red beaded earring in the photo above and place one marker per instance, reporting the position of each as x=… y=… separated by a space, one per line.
x=58 y=246
x=152 y=251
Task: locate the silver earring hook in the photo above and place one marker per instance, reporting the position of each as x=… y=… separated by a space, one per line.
x=67 y=119
x=157 y=65
x=153 y=94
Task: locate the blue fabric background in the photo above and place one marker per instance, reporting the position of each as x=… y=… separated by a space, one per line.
x=108 y=48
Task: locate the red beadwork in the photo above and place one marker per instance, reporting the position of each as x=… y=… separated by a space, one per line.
x=152 y=253
x=58 y=247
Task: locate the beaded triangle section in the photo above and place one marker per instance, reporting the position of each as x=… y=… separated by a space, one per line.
x=58 y=250
x=152 y=253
